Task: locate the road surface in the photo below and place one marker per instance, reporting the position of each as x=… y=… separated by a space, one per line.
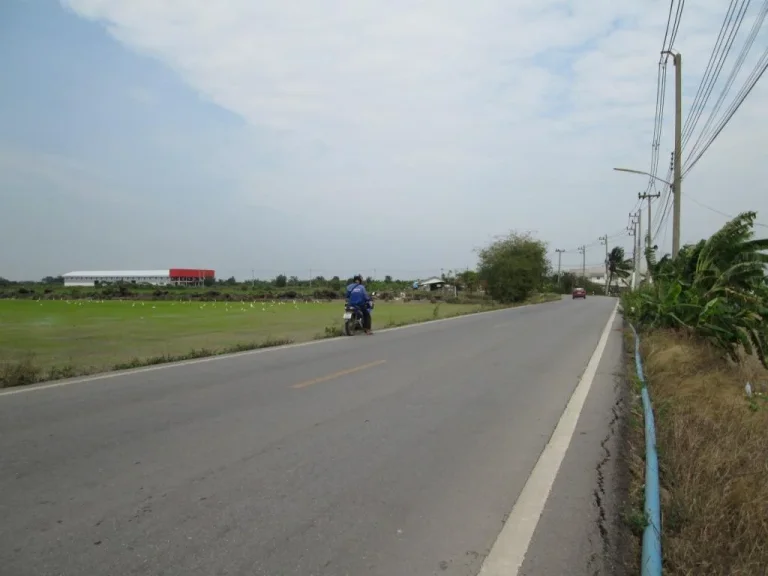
x=398 y=454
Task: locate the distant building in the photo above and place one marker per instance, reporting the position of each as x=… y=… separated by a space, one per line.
x=172 y=276
x=433 y=284
x=595 y=274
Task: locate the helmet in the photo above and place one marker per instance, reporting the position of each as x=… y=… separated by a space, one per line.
x=358 y=278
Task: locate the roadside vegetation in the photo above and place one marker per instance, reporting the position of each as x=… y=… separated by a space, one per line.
x=702 y=320
x=52 y=332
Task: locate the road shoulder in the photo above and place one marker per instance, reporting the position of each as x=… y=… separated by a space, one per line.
x=581 y=530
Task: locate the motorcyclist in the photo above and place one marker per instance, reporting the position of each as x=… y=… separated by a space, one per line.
x=358 y=297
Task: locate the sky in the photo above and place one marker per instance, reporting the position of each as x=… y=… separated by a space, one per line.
x=262 y=137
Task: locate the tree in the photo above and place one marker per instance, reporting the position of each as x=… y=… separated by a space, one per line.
x=467 y=280
x=388 y=279
x=280 y=281
x=618 y=265
x=336 y=283
x=53 y=280
x=513 y=267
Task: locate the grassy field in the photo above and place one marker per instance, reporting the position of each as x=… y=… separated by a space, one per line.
x=51 y=339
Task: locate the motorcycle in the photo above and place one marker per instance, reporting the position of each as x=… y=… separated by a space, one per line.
x=353 y=318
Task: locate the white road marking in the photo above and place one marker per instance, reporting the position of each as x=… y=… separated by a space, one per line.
x=508 y=552
x=169 y=365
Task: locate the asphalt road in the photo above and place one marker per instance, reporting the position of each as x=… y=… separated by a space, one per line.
x=398 y=454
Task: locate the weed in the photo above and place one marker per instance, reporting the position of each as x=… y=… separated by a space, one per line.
x=333 y=331
x=19 y=373
x=712 y=448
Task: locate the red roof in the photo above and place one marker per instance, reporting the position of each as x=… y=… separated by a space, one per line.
x=192 y=273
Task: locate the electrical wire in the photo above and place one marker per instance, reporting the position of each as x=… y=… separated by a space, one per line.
x=673 y=25
x=730 y=217
x=725 y=38
x=676 y=25
x=666 y=201
x=706 y=132
x=750 y=83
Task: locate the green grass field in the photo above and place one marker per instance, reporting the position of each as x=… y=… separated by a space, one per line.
x=86 y=336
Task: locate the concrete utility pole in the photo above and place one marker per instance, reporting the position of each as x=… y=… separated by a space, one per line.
x=583 y=250
x=643 y=196
x=559 y=259
x=639 y=241
x=604 y=242
x=632 y=228
x=676 y=182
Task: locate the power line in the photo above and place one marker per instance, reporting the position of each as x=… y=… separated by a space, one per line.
x=665 y=200
x=676 y=26
x=729 y=216
x=730 y=26
x=611 y=236
x=750 y=83
x=661 y=85
x=756 y=26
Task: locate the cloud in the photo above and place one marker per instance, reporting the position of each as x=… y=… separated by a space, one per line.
x=449 y=120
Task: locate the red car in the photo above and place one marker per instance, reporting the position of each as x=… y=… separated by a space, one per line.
x=579 y=293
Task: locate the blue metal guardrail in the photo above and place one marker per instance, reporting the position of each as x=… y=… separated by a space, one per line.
x=651 y=554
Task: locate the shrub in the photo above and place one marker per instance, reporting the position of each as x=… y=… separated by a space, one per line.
x=715 y=289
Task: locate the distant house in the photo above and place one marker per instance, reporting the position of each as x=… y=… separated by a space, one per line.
x=432 y=284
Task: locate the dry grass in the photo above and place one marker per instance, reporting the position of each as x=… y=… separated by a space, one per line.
x=713 y=452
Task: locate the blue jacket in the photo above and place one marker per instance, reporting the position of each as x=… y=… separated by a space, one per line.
x=357 y=295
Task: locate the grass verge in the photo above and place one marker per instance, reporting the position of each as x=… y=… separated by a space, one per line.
x=64 y=340
x=712 y=441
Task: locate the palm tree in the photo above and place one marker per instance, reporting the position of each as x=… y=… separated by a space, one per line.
x=618 y=265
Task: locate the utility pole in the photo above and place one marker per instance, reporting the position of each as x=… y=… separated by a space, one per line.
x=632 y=228
x=604 y=242
x=559 y=259
x=583 y=250
x=639 y=241
x=677 y=59
x=650 y=197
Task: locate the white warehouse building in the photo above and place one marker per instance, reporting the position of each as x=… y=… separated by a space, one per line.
x=174 y=276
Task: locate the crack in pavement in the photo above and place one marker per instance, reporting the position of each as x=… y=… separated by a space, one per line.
x=593 y=565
